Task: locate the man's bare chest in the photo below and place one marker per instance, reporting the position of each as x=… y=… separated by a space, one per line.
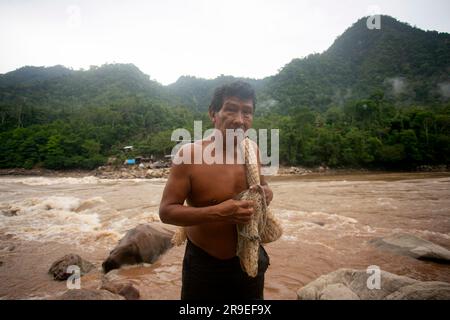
x=211 y=184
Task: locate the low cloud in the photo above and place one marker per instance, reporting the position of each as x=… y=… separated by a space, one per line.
x=398 y=85
x=444 y=89
x=270 y=103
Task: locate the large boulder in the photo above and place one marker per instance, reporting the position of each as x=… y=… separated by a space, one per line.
x=338 y=291
x=59 y=268
x=409 y=245
x=124 y=288
x=116 y=284
x=88 y=294
x=350 y=284
x=430 y=290
x=145 y=243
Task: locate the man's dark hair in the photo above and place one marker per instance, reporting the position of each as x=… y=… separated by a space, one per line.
x=239 y=89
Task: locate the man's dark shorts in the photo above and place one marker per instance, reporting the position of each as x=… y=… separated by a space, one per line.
x=208 y=278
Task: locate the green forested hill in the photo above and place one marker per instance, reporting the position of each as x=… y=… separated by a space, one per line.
x=407 y=64
x=196 y=93
x=32 y=95
x=375 y=98
x=60 y=118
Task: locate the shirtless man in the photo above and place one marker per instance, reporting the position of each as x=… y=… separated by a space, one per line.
x=211 y=269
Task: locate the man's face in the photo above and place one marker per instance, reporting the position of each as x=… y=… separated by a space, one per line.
x=234 y=114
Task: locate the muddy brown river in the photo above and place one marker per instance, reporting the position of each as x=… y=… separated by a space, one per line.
x=328 y=222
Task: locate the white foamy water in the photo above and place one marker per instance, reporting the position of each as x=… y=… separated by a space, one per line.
x=66 y=219
x=74 y=210
x=49 y=219
x=297 y=224
x=49 y=181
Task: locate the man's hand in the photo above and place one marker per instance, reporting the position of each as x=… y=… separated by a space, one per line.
x=236 y=211
x=267 y=191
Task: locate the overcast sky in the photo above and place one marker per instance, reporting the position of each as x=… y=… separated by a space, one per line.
x=204 y=38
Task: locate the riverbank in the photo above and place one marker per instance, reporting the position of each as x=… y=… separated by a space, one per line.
x=41 y=172
x=146 y=172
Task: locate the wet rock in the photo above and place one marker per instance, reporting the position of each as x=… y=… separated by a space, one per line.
x=430 y=290
x=59 y=268
x=338 y=291
x=142 y=171
x=350 y=284
x=438 y=168
x=10 y=211
x=124 y=288
x=88 y=294
x=126 y=175
x=145 y=243
x=409 y=245
x=158 y=165
x=151 y=173
x=293 y=171
x=323 y=169
x=297 y=170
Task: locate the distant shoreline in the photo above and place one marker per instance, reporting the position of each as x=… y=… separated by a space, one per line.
x=45 y=172
x=284 y=172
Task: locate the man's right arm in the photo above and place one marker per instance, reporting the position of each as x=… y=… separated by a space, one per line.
x=173 y=211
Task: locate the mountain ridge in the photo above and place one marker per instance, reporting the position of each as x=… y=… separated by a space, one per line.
x=375 y=98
